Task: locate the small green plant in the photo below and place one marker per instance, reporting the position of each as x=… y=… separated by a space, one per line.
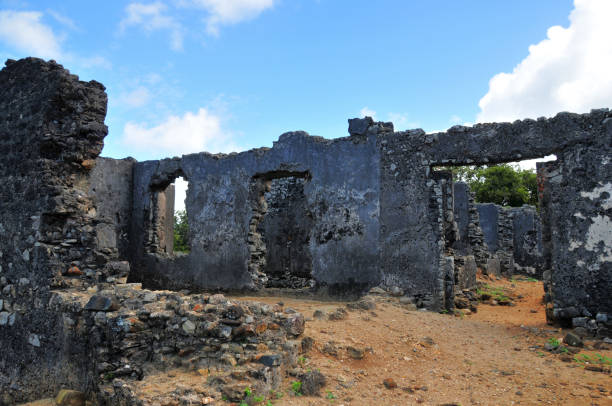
x=554 y=343
x=302 y=360
x=268 y=403
x=595 y=359
x=109 y=376
x=250 y=396
x=444 y=311
x=276 y=395
x=541 y=354
x=488 y=291
x=330 y=395
x=296 y=387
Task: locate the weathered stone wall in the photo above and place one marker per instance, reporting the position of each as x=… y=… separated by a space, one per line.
x=488 y=213
x=513 y=238
x=285 y=229
x=527 y=235
x=498 y=231
x=576 y=227
x=341 y=195
x=143 y=332
x=411 y=240
x=111 y=190
x=51 y=130
x=67 y=318
x=441 y=202
x=399 y=234
x=461 y=212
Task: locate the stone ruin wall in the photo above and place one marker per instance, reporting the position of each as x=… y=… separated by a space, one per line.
x=76 y=226
x=511 y=240
x=576 y=234
x=68 y=319
x=51 y=130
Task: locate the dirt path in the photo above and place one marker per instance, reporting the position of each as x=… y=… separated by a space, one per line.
x=485 y=358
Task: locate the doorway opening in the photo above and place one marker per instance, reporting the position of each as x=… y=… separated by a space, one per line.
x=491 y=223
x=279 y=231
x=491 y=219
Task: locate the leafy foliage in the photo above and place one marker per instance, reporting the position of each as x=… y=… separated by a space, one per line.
x=593 y=359
x=498 y=293
x=554 y=343
x=504 y=184
x=296 y=387
x=181 y=232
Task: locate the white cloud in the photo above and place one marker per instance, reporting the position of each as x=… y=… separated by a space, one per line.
x=193 y=132
x=94 y=61
x=23 y=31
x=455 y=119
x=180 y=192
x=62 y=19
x=226 y=12
x=568 y=71
x=138 y=97
x=153 y=78
x=367 y=112
x=531 y=163
x=401 y=121
x=153 y=17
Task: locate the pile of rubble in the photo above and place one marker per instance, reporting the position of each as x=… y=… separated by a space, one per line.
x=226 y=346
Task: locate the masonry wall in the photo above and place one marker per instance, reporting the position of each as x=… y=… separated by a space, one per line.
x=111 y=189
x=51 y=130
x=461 y=209
x=471 y=238
x=67 y=317
x=580 y=267
x=577 y=224
x=394 y=230
x=341 y=195
x=411 y=240
x=498 y=231
x=469 y=244
x=285 y=230
x=527 y=237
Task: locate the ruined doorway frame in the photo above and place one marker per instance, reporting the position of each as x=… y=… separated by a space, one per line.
x=260 y=184
x=159 y=239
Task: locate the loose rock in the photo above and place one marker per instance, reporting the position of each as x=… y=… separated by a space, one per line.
x=573 y=340
x=389 y=383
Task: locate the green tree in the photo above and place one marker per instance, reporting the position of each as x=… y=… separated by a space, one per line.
x=500 y=184
x=181 y=231
x=530 y=181
x=504 y=184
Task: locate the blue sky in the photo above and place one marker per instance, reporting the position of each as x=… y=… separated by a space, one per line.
x=222 y=75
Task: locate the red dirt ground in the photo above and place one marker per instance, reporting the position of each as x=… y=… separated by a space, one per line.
x=485 y=358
